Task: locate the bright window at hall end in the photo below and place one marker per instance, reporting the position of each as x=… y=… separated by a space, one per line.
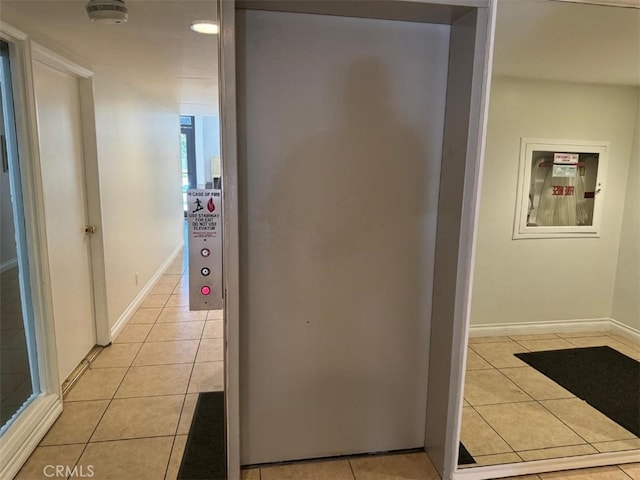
x=560 y=188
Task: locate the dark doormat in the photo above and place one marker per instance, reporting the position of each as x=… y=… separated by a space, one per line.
x=205 y=454
x=464 y=457
x=601 y=376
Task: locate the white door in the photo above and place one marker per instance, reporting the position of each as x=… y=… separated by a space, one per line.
x=61 y=153
x=338 y=216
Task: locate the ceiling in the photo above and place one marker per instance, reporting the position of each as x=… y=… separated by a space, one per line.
x=157 y=53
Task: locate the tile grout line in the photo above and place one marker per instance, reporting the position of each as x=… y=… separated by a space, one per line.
x=353 y=473
x=534 y=400
x=113 y=398
x=173 y=444
x=496 y=432
x=565 y=423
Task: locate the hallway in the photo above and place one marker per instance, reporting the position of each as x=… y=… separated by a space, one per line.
x=128 y=416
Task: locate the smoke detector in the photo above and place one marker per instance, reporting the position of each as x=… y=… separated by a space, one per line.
x=107 y=11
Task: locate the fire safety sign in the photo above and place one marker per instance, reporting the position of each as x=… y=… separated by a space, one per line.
x=204 y=218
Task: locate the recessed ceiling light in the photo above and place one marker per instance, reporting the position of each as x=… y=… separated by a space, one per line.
x=205 y=26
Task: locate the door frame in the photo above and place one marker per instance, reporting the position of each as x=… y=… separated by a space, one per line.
x=443 y=440
x=230 y=231
x=24 y=434
x=28 y=429
x=91 y=175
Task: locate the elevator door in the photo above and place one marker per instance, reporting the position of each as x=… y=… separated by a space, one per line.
x=63 y=180
x=340 y=128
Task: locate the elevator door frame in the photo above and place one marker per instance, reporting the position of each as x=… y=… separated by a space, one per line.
x=473 y=34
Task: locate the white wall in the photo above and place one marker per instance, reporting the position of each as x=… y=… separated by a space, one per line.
x=138 y=145
x=626 y=299
x=211 y=145
x=548 y=279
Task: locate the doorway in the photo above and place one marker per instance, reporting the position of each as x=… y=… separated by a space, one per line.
x=57 y=96
x=187 y=156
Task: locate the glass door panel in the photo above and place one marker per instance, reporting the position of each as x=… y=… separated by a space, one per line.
x=18 y=361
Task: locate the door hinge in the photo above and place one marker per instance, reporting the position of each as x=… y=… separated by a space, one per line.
x=90 y=229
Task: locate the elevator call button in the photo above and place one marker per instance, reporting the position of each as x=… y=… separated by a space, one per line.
x=204 y=218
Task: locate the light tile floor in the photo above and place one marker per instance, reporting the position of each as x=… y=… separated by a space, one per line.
x=15 y=376
x=129 y=414
x=413 y=466
x=513 y=413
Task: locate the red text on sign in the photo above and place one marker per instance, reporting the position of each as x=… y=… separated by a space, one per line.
x=563 y=190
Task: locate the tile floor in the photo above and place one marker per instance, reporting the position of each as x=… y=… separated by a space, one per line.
x=513 y=413
x=15 y=376
x=414 y=466
x=129 y=414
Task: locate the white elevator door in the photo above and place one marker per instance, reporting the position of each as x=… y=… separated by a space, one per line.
x=341 y=123
x=61 y=154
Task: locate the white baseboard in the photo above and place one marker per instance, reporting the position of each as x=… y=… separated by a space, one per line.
x=24 y=435
x=530 y=328
x=626 y=331
x=8 y=264
x=566 y=326
x=133 y=306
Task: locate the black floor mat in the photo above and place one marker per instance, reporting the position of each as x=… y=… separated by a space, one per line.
x=205 y=454
x=601 y=376
x=464 y=457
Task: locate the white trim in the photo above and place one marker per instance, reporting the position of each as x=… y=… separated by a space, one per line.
x=89 y=167
x=34 y=222
x=8 y=265
x=93 y=200
x=623 y=330
x=31 y=173
x=230 y=230
x=24 y=435
x=550 y=465
x=133 y=306
x=530 y=328
x=12 y=34
x=457 y=389
x=56 y=61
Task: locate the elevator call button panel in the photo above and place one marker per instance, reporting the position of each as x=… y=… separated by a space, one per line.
x=205 y=249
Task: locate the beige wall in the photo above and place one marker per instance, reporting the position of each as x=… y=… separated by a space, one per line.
x=626 y=299
x=549 y=279
x=138 y=145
